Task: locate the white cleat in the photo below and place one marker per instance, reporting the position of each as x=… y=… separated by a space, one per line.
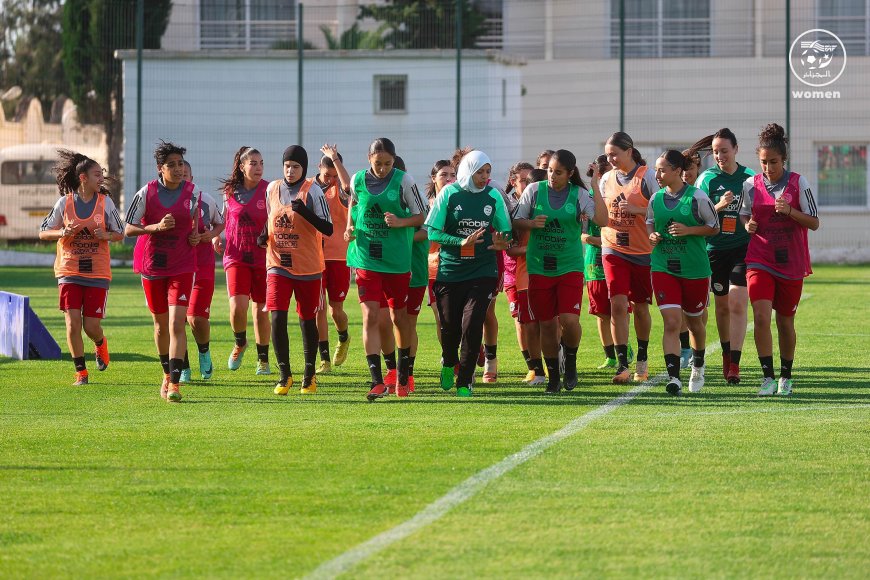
x=696 y=381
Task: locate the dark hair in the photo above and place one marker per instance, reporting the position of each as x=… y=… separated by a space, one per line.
x=237 y=178
x=676 y=159
x=545 y=153
x=602 y=162
x=382 y=145
x=773 y=137
x=624 y=142
x=430 y=186
x=188 y=165
x=69 y=166
x=706 y=143
x=459 y=154
x=692 y=157
x=514 y=171
x=399 y=163
x=326 y=160
x=538 y=175
x=567 y=160
x=165 y=149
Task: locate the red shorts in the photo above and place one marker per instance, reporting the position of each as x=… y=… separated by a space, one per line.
x=553 y=295
x=280 y=288
x=336 y=280
x=431 y=294
x=246 y=281
x=511 y=293
x=599 y=299
x=386 y=289
x=692 y=296
x=415 y=300
x=627 y=278
x=162 y=293
x=200 y=297
x=87 y=299
x=785 y=294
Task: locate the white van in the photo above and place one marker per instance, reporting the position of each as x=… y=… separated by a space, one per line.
x=28 y=189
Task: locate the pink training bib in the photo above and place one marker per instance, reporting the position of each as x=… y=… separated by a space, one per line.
x=166 y=253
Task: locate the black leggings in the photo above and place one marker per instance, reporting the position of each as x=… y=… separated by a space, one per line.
x=462 y=308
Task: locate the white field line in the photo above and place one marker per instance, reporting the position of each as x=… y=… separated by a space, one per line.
x=778 y=409
x=474 y=484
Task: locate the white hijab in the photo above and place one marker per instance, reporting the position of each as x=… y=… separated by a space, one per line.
x=470 y=165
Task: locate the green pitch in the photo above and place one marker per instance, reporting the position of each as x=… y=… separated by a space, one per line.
x=109 y=480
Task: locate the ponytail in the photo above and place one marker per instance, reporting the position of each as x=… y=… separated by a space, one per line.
x=676 y=159
x=567 y=160
x=237 y=178
x=773 y=137
x=68 y=168
x=623 y=141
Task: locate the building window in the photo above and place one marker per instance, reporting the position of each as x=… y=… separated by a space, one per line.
x=662 y=28
x=391 y=94
x=247 y=24
x=850 y=21
x=842 y=175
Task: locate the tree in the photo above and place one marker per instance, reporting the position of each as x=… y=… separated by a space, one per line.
x=92 y=31
x=353 y=38
x=31 y=49
x=425 y=23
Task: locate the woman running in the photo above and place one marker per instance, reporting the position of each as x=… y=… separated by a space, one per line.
x=554 y=210
x=727 y=250
x=777 y=208
x=470 y=220
x=244 y=261
x=385 y=209
x=298 y=220
x=679 y=218
x=210 y=225
x=83 y=222
x=162 y=216
x=626 y=249
x=334 y=180
x=442 y=174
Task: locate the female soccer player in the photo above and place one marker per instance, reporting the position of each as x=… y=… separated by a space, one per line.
x=727 y=250
x=442 y=174
x=777 y=208
x=469 y=220
x=384 y=211
x=553 y=210
x=210 y=225
x=334 y=180
x=626 y=249
x=679 y=217
x=244 y=261
x=83 y=222
x=298 y=220
x=543 y=159
x=162 y=216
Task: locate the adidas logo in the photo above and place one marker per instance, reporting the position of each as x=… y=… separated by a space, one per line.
x=555 y=223
x=246 y=220
x=457 y=208
x=208 y=309
x=489 y=297
x=182 y=298
x=720 y=188
x=341 y=295
x=99 y=310
x=283 y=222
x=700 y=305
x=417 y=309
x=577 y=306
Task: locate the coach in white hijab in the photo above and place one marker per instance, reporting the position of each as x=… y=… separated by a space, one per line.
x=471 y=164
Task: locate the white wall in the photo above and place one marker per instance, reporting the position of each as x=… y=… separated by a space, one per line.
x=214 y=103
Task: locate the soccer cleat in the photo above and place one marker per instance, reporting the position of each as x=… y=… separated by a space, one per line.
x=768 y=387
x=378 y=391
x=696 y=381
x=784 y=388
x=340 y=354
x=173 y=395
x=641 y=371
x=402 y=391
x=490 y=371
x=309 y=386
x=263 y=368
x=538 y=380
x=609 y=363
x=81 y=378
x=185 y=376
x=733 y=376
x=553 y=389
x=206 y=368
x=530 y=376
x=283 y=388
x=570 y=381
x=101 y=353
x=392 y=378
x=622 y=376
x=411 y=384
x=685 y=358
x=324 y=367
x=481 y=357
x=674 y=386
x=447 y=378
x=235 y=360
x=164 y=388
x=464 y=392
x=726 y=364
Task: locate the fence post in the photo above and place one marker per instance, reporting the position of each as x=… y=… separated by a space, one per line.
x=299 y=58
x=140 y=41
x=458 y=72
x=787 y=68
x=622 y=65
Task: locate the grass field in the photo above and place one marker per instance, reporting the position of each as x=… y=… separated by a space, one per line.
x=108 y=480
